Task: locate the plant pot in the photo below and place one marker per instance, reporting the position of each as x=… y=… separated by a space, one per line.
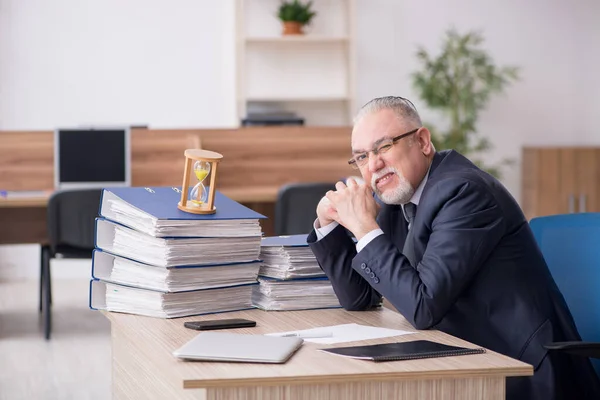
x=292 y=28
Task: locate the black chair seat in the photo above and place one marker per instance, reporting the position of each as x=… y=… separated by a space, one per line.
x=296 y=207
x=63 y=251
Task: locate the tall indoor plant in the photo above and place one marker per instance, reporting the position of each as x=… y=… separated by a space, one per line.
x=459 y=82
x=295 y=15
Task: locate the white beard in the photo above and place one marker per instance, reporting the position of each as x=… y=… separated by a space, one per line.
x=401 y=194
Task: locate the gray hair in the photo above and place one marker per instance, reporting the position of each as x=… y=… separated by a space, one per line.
x=403 y=108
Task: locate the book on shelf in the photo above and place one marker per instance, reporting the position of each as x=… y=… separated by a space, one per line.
x=174 y=251
x=288 y=257
x=152 y=303
x=120 y=270
x=153 y=210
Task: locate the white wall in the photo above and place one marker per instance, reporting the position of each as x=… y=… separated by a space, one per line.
x=554 y=42
x=176 y=66
x=589 y=61
x=157 y=62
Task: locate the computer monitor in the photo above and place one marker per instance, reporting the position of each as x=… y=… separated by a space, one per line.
x=92 y=158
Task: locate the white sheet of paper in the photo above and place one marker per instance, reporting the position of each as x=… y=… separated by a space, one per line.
x=344 y=333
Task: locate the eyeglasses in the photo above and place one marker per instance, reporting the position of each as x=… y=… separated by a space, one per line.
x=361 y=159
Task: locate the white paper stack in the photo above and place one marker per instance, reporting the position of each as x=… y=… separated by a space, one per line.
x=294 y=294
x=289 y=262
x=178 y=251
x=151 y=303
x=112 y=268
x=290 y=277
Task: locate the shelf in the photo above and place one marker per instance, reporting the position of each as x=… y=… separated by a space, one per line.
x=297 y=98
x=297 y=39
x=310 y=74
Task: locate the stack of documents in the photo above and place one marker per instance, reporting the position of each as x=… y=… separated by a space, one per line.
x=112 y=268
x=154 y=220
x=288 y=257
x=173 y=251
x=153 y=259
x=290 y=277
x=151 y=303
x=294 y=294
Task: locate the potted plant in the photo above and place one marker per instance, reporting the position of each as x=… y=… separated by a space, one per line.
x=295 y=15
x=459 y=82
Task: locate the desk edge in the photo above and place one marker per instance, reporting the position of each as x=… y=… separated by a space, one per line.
x=526 y=370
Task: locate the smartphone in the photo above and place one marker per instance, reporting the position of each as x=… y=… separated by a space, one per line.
x=213 y=324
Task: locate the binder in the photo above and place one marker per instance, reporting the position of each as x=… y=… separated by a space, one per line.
x=399 y=351
x=294 y=294
x=153 y=210
x=171 y=251
x=130 y=300
x=109 y=267
x=288 y=257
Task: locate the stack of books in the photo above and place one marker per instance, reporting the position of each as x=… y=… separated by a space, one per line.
x=153 y=259
x=290 y=277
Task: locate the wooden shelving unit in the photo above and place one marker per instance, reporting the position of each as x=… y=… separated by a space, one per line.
x=312 y=74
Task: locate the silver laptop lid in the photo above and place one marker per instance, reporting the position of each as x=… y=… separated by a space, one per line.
x=234 y=347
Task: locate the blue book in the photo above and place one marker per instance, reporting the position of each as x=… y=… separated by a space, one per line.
x=153 y=210
x=285 y=241
x=112 y=268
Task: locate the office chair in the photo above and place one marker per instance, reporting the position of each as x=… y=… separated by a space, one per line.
x=71 y=228
x=296 y=206
x=570 y=245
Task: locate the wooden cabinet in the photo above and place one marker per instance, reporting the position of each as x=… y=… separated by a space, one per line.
x=560 y=180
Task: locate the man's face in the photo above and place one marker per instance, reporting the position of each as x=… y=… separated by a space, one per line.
x=395 y=174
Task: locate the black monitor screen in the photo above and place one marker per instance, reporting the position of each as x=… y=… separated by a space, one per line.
x=92 y=156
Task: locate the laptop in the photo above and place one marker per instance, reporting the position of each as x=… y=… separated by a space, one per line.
x=235 y=347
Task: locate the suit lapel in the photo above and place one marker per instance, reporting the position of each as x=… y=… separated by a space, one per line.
x=397 y=226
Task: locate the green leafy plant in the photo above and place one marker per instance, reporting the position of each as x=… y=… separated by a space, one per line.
x=295 y=11
x=459 y=82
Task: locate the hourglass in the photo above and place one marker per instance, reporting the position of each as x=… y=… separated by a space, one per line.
x=199 y=194
x=201 y=163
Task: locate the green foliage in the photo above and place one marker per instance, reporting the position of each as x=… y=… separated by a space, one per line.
x=459 y=82
x=294 y=11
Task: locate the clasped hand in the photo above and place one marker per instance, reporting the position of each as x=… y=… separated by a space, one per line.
x=352 y=206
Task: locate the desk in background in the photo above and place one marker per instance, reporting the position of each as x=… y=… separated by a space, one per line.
x=144 y=367
x=23 y=218
x=257 y=162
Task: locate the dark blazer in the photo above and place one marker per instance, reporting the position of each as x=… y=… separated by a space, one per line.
x=478 y=275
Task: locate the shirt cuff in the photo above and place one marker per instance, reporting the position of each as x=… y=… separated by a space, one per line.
x=367 y=239
x=323 y=231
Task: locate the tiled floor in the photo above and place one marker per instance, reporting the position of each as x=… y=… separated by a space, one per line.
x=74 y=364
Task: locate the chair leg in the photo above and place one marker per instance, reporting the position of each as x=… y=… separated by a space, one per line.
x=41 y=278
x=47 y=291
x=49 y=283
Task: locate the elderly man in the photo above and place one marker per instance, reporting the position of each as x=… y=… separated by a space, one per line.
x=450 y=249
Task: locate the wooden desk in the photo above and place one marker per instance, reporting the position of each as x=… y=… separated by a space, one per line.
x=144 y=367
x=23 y=220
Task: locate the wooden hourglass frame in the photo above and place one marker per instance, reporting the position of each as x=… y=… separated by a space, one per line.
x=196 y=207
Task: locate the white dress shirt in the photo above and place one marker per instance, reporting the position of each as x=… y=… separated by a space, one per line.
x=323 y=231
